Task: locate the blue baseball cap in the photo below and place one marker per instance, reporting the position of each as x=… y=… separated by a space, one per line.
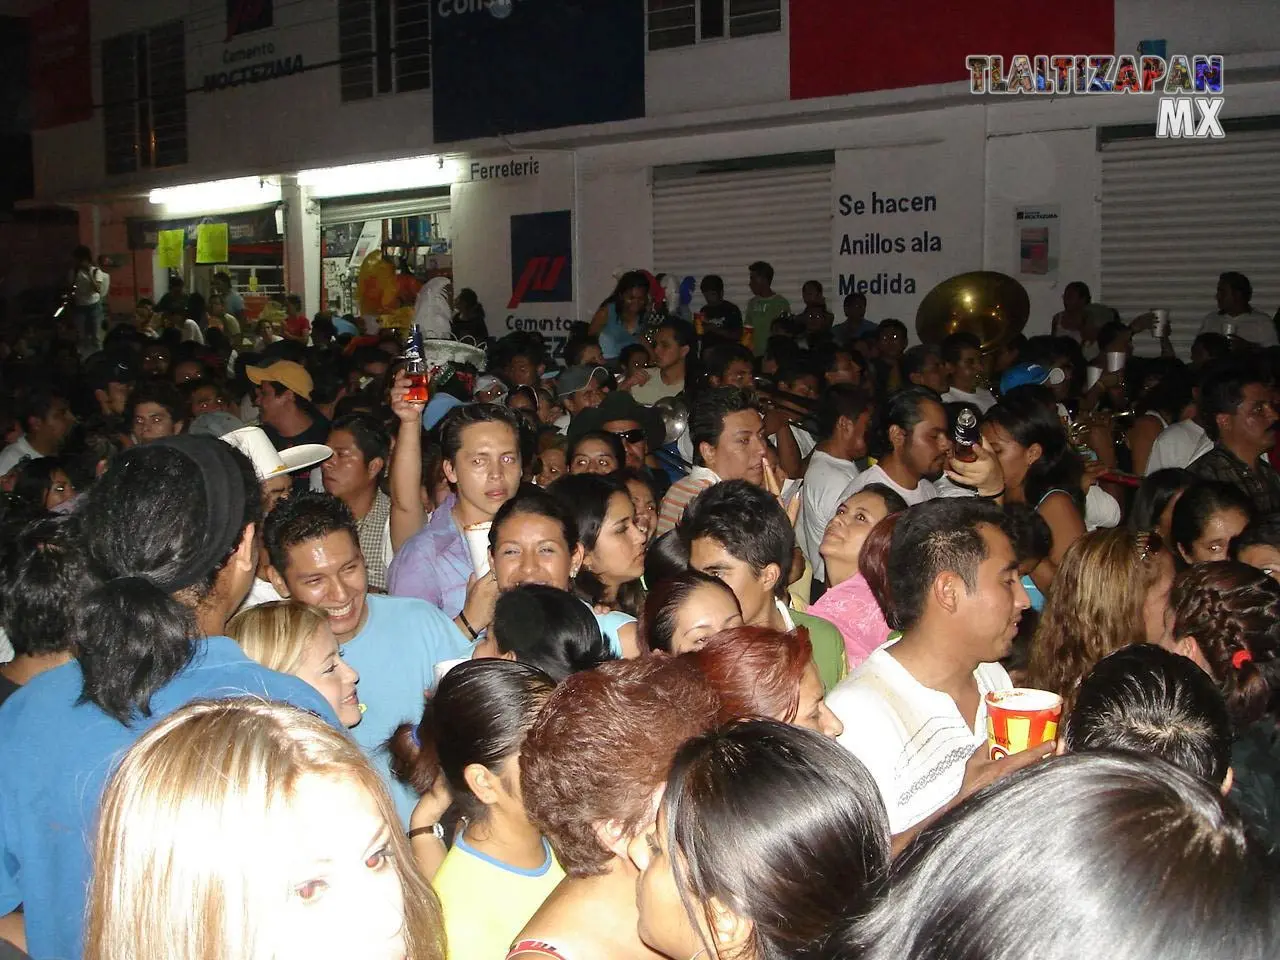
x=1023 y=374
x=437 y=407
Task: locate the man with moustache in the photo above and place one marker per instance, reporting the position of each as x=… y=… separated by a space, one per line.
x=1239 y=416
x=910 y=437
x=914 y=712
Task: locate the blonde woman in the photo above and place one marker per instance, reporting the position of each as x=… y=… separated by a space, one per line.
x=1111 y=590
x=246 y=830
x=295 y=638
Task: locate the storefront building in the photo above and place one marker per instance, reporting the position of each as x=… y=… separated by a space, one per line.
x=534 y=149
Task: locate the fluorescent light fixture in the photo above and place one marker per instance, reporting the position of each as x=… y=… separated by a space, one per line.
x=381 y=177
x=217 y=195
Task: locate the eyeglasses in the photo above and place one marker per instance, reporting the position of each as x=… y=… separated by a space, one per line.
x=1150 y=544
x=629 y=436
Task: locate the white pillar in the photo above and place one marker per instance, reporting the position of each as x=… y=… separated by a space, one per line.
x=302 y=245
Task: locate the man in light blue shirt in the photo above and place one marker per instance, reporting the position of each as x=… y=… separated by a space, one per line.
x=394 y=643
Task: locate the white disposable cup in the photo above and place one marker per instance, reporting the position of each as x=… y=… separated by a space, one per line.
x=1092 y=375
x=477 y=537
x=1161 y=329
x=1115 y=361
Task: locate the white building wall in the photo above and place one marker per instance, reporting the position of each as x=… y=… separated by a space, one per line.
x=720 y=100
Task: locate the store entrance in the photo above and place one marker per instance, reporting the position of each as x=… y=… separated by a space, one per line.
x=376 y=253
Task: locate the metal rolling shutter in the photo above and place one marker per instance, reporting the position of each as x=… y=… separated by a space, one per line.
x=719 y=223
x=355 y=209
x=1177 y=214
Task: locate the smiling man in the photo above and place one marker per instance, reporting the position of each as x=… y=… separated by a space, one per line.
x=394 y=643
x=914 y=711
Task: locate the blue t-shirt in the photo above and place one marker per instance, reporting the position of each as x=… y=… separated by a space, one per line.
x=56 y=755
x=396 y=653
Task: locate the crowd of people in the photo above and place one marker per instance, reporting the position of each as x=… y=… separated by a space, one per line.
x=679 y=647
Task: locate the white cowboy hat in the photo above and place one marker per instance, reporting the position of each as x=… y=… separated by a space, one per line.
x=267 y=461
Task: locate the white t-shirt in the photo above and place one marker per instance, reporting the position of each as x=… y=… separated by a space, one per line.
x=90 y=286
x=14 y=452
x=1254 y=326
x=911 y=738
x=1178 y=445
x=925 y=490
x=261 y=592
x=984 y=399
x=191 y=331
x=654 y=389
x=826 y=479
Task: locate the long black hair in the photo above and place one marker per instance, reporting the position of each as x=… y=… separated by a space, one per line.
x=144 y=523
x=1030 y=421
x=779 y=824
x=1131 y=836
x=549 y=629
x=1154 y=494
x=586 y=496
x=479 y=713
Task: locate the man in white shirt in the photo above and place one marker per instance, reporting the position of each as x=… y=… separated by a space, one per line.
x=46 y=420
x=843 y=418
x=1178 y=445
x=914 y=711
x=1235 y=316
x=962 y=354
x=89 y=286
x=911 y=439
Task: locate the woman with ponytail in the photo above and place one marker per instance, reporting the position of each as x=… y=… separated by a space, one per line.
x=168 y=537
x=1226 y=618
x=500 y=868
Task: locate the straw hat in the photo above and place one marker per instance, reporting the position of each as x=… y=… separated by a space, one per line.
x=267 y=461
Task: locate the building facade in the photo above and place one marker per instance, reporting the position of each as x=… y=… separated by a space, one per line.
x=543 y=146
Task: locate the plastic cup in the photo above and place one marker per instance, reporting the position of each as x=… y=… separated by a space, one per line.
x=477 y=537
x=1020 y=719
x=1115 y=361
x=1092 y=375
x=1161 y=329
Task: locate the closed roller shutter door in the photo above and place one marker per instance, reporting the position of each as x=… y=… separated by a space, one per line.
x=1175 y=215
x=719 y=223
x=356 y=209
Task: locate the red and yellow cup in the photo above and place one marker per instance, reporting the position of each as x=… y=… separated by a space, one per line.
x=1020 y=719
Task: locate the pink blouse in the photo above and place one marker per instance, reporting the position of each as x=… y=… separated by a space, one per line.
x=853 y=609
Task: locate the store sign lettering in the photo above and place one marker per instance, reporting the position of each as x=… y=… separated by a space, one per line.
x=252 y=72
x=507 y=170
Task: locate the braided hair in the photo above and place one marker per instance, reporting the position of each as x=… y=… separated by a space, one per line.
x=1233 y=612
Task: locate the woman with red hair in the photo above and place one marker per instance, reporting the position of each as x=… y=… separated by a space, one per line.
x=759 y=672
x=592 y=767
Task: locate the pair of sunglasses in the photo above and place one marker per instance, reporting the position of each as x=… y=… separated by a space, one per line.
x=629 y=436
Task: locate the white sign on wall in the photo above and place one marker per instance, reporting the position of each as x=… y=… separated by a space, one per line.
x=905 y=219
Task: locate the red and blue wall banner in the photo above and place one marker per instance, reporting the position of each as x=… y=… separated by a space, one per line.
x=541 y=258
x=842 y=46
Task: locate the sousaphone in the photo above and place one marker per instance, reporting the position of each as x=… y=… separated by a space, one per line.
x=992 y=306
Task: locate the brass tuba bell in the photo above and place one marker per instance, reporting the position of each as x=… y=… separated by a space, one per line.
x=992 y=306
